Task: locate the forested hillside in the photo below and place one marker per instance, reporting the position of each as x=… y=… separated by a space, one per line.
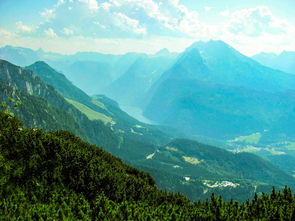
x=57 y=176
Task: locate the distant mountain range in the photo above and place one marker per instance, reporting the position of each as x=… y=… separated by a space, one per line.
x=284 y=61
x=90 y=71
x=213 y=90
x=130 y=87
x=44 y=98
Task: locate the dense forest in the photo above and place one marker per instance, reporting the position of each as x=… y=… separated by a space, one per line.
x=57 y=176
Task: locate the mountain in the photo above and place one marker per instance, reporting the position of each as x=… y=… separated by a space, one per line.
x=19 y=55
x=94 y=72
x=284 y=61
x=130 y=87
x=98 y=107
x=101 y=130
x=178 y=165
x=58 y=176
x=58 y=81
x=90 y=71
x=19 y=79
x=213 y=90
x=230 y=67
x=26 y=56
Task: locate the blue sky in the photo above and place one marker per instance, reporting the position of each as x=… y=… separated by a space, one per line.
x=120 y=26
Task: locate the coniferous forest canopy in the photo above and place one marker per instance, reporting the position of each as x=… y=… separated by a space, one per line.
x=147 y=110
x=55 y=176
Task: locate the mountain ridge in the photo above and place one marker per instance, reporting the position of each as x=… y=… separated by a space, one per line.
x=148 y=155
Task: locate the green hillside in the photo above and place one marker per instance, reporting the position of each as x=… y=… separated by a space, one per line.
x=57 y=176
x=91 y=114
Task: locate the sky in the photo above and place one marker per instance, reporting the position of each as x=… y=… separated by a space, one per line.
x=121 y=26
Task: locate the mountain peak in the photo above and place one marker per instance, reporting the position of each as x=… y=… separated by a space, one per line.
x=212 y=44
x=190 y=65
x=41 y=64
x=163 y=51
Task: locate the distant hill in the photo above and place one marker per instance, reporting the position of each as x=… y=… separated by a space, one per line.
x=18 y=55
x=94 y=72
x=130 y=87
x=90 y=71
x=285 y=61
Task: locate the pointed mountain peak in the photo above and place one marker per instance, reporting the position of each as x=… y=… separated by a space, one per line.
x=163 y=51
x=40 y=64
x=41 y=68
x=212 y=44
x=216 y=49
x=190 y=65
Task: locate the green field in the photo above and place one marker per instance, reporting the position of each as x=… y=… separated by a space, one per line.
x=252 y=138
x=91 y=114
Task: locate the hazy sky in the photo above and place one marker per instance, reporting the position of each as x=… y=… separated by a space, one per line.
x=119 y=26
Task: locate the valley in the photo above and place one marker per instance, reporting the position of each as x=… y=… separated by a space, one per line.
x=183 y=103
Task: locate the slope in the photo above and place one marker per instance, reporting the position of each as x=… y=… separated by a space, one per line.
x=57 y=176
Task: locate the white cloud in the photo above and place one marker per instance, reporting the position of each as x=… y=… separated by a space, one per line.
x=225 y=13
x=125 y=23
x=257 y=29
x=207 y=8
x=92 y=4
x=60 y=2
x=48 y=14
x=256 y=21
x=50 y=33
x=6 y=35
x=127 y=18
x=23 y=28
x=67 y=31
